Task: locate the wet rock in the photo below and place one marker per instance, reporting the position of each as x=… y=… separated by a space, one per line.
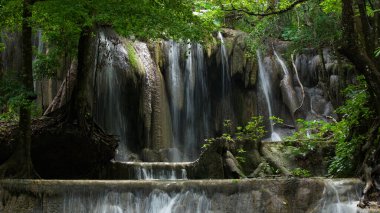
x=149 y=155
x=232 y=167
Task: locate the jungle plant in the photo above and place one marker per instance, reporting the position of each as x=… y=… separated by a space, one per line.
x=299 y=172
x=342 y=133
x=348 y=140
x=253 y=131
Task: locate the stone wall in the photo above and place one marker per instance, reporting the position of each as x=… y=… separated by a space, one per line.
x=258 y=195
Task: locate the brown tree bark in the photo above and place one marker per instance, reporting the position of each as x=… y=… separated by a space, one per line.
x=358 y=54
x=20 y=165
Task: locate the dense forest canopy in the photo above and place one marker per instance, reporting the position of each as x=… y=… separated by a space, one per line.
x=350 y=28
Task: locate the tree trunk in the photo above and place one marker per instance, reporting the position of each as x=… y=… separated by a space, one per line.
x=20 y=165
x=78 y=106
x=358 y=55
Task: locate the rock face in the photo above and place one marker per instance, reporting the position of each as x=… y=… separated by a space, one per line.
x=271 y=195
x=216 y=162
x=162 y=99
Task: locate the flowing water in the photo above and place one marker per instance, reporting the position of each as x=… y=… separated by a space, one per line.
x=338 y=197
x=289 y=96
x=226 y=76
x=108 y=84
x=157 y=170
x=157 y=201
x=265 y=85
x=188 y=93
x=222 y=196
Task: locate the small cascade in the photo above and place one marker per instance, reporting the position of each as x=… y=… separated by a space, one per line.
x=226 y=76
x=250 y=195
x=265 y=85
x=339 y=197
x=109 y=95
x=157 y=201
x=157 y=170
x=188 y=93
x=289 y=95
x=175 y=88
x=202 y=96
x=190 y=144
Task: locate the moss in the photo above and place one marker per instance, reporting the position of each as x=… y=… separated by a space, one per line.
x=133 y=58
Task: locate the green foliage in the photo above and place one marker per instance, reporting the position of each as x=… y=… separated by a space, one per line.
x=227 y=126
x=12 y=97
x=354 y=111
x=299 y=172
x=45 y=65
x=331 y=6
x=10 y=14
x=2 y=47
x=133 y=58
x=303 y=149
x=210 y=13
x=208 y=143
x=310 y=130
x=253 y=131
x=241 y=155
x=312 y=27
x=275 y=120
x=377 y=52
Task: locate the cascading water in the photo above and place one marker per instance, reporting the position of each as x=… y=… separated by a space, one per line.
x=190 y=140
x=289 y=95
x=190 y=111
x=151 y=196
x=339 y=198
x=156 y=170
x=157 y=201
x=175 y=88
x=226 y=76
x=265 y=85
x=109 y=93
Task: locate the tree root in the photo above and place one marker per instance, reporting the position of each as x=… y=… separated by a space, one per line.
x=299 y=82
x=18 y=167
x=275 y=163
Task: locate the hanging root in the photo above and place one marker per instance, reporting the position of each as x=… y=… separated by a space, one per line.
x=299 y=82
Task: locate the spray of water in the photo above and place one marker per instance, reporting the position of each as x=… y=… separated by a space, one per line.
x=265 y=85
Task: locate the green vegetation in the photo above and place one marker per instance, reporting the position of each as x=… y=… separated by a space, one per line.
x=252 y=133
x=348 y=29
x=298 y=172
x=342 y=133
x=254 y=130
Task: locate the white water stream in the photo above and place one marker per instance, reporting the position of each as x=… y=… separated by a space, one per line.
x=339 y=198
x=108 y=87
x=188 y=98
x=265 y=85
x=226 y=76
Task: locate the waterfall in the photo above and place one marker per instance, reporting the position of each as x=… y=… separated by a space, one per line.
x=226 y=79
x=190 y=140
x=250 y=195
x=144 y=173
x=157 y=201
x=157 y=170
x=338 y=197
x=110 y=113
x=175 y=87
x=188 y=93
x=289 y=95
x=265 y=85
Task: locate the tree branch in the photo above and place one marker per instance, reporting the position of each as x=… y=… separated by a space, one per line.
x=251 y=13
